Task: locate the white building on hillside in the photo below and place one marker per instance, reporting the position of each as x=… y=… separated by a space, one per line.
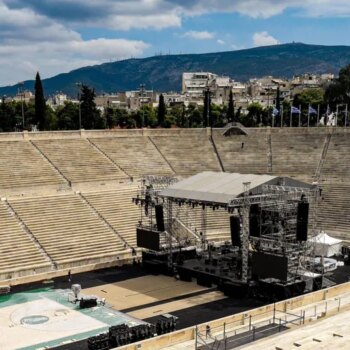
x=194 y=85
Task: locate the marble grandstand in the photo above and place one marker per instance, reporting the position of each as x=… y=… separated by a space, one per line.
x=66 y=196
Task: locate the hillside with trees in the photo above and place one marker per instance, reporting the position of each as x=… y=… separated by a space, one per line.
x=164 y=73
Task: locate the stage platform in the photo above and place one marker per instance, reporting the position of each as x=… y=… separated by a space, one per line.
x=45 y=318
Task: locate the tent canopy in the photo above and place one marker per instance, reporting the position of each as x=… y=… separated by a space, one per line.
x=326 y=245
x=324 y=238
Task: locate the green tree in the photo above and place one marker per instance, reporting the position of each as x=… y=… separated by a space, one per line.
x=309 y=96
x=218 y=115
x=254 y=115
x=176 y=116
x=90 y=115
x=285 y=113
x=40 y=103
x=68 y=116
x=125 y=119
x=231 y=109
x=148 y=116
x=51 y=119
x=161 y=111
x=194 y=116
x=313 y=97
x=110 y=116
x=339 y=91
x=7 y=116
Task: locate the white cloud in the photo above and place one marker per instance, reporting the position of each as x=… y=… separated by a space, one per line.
x=30 y=42
x=264 y=39
x=193 y=34
x=220 y=42
x=44 y=34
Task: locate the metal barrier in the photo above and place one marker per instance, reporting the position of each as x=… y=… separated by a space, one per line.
x=237 y=333
x=250 y=328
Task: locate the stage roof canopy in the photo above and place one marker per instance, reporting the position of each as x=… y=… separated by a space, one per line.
x=221 y=187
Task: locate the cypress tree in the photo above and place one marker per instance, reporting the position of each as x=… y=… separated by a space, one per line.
x=231 y=108
x=40 y=103
x=161 y=111
x=90 y=115
x=206 y=109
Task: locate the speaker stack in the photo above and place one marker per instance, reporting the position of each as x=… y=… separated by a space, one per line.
x=160 y=217
x=254 y=220
x=235 y=226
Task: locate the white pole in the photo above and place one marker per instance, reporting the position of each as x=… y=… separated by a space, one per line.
x=299 y=115
x=291 y=107
x=318 y=114
x=308 y=116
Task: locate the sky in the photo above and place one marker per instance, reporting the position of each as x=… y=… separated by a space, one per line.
x=56 y=36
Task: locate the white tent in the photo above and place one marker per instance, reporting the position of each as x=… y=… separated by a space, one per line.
x=326 y=245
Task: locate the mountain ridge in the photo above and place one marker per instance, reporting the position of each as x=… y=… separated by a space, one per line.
x=163 y=73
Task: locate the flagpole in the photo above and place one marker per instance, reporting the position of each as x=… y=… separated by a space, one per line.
x=308 y=116
x=282 y=116
x=318 y=114
x=299 y=115
x=346 y=115
x=336 y=116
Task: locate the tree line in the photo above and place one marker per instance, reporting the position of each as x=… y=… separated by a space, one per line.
x=85 y=114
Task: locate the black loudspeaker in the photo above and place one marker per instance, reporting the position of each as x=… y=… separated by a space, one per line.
x=88 y=302
x=160 y=218
x=235 y=226
x=302 y=221
x=254 y=220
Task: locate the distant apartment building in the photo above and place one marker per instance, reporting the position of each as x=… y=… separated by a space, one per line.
x=118 y=100
x=25 y=96
x=194 y=85
x=138 y=98
x=264 y=90
x=174 y=98
x=57 y=100
x=305 y=81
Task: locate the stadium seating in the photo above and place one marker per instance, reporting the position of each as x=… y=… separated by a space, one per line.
x=21 y=165
x=77 y=230
x=188 y=155
x=117 y=208
x=136 y=155
x=19 y=255
x=336 y=168
x=215 y=224
x=78 y=161
x=297 y=155
x=67 y=228
x=242 y=154
x=334 y=213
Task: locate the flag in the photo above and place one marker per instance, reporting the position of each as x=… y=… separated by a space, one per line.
x=312 y=110
x=295 y=110
x=275 y=112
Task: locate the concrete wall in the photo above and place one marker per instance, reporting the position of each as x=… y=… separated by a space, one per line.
x=74 y=134
x=37 y=275
x=242 y=318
